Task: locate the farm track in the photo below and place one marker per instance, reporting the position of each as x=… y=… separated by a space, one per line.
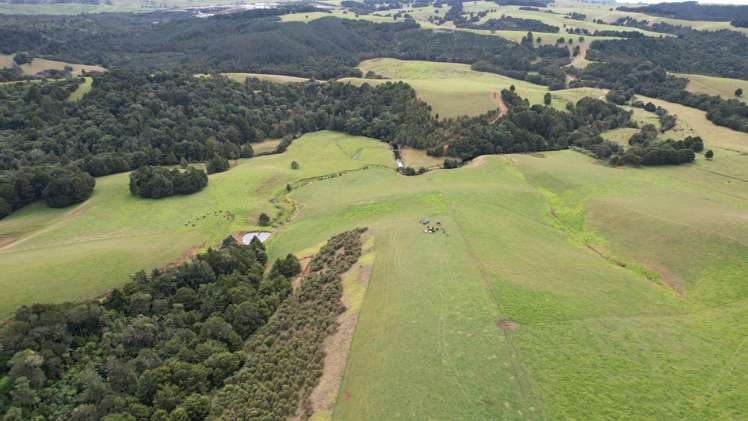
x=68 y=216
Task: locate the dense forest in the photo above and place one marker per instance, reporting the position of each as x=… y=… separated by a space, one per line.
x=163 y=345
x=691 y=10
x=323 y=49
x=717 y=53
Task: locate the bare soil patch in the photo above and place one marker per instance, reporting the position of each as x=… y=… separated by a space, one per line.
x=477 y=161
x=670 y=280
x=7 y=240
x=304 y=262
x=604 y=256
x=502 y=107
x=505 y=324
x=185 y=257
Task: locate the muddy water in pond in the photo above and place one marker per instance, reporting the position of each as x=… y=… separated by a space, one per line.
x=247 y=238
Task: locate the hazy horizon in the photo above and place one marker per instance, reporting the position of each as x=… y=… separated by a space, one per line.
x=727 y=2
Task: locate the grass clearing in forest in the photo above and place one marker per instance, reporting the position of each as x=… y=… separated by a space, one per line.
x=692 y=121
x=454 y=89
x=40 y=64
x=241 y=77
x=82 y=89
x=417 y=158
x=712 y=85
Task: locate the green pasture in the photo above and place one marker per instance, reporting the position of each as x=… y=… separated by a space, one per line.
x=692 y=121
x=557 y=18
x=454 y=89
x=54 y=255
x=712 y=85
x=422 y=14
x=542 y=249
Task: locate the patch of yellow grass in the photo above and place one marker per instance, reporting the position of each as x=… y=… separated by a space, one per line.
x=417 y=158
x=82 y=90
x=241 y=77
x=711 y=85
x=265 y=146
x=40 y=64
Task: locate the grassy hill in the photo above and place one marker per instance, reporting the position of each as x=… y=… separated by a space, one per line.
x=454 y=89
x=562 y=288
x=55 y=255
x=711 y=85
x=554 y=293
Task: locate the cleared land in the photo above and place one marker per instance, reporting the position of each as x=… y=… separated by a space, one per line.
x=550 y=16
x=241 y=77
x=265 y=146
x=54 y=255
x=82 y=90
x=39 y=64
x=562 y=288
x=454 y=89
x=422 y=14
x=554 y=294
x=711 y=85
x=417 y=158
x=114 y=6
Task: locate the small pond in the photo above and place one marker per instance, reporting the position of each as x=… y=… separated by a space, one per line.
x=261 y=235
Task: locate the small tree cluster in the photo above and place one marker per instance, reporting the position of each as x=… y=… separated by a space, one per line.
x=217 y=164
x=157 y=182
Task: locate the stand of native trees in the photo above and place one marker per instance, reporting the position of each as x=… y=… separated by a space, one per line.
x=186 y=343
